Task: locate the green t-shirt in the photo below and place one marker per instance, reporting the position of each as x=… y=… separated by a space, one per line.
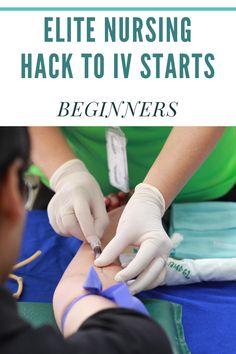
x=215 y=177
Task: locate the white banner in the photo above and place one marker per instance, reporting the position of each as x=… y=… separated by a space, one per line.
x=120 y=67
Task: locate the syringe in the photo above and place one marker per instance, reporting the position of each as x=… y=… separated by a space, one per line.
x=95 y=244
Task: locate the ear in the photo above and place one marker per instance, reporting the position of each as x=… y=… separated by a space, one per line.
x=11 y=200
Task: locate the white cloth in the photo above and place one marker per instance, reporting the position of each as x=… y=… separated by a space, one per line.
x=189 y=271
x=78 y=207
x=140 y=225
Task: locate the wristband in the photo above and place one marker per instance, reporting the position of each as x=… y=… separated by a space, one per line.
x=118 y=293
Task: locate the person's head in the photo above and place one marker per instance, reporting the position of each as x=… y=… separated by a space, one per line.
x=14 y=159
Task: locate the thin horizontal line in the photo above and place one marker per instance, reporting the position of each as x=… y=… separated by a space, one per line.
x=117 y=8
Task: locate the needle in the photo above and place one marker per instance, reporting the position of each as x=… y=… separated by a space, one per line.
x=97 y=251
x=95 y=244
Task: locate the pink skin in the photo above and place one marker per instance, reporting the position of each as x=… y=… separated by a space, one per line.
x=70 y=285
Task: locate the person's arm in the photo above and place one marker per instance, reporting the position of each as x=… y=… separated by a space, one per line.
x=49 y=149
x=103 y=327
x=183 y=153
x=70 y=285
x=140 y=224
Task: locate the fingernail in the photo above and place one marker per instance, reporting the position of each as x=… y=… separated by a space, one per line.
x=97 y=261
x=118 y=278
x=93 y=241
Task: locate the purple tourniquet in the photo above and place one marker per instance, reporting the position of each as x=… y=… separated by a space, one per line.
x=118 y=293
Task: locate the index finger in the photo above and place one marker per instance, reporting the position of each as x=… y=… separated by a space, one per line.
x=112 y=251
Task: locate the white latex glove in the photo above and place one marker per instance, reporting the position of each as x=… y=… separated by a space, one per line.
x=78 y=207
x=140 y=225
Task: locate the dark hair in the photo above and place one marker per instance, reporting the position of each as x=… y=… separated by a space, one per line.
x=14 y=144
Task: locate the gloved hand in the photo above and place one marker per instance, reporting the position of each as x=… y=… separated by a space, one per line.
x=140 y=225
x=78 y=207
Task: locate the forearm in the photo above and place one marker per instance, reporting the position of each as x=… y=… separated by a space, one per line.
x=49 y=149
x=71 y=285
x=184 y=151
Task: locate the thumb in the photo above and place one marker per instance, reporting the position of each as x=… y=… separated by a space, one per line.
x=112 y=251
